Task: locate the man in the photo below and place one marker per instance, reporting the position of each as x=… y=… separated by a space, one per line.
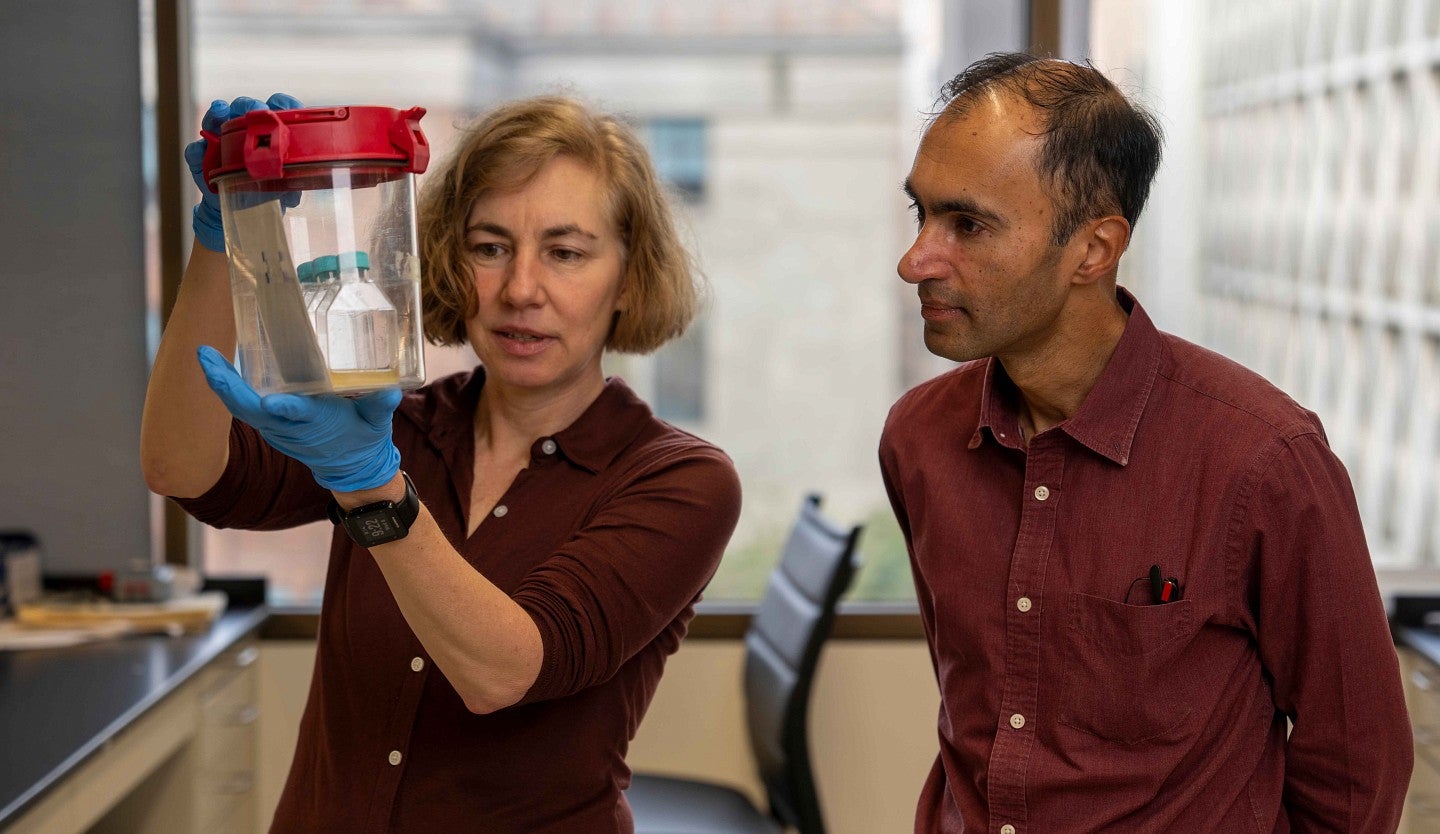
x=1137 y=563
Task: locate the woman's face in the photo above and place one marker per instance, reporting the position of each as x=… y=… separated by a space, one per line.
x=547 y=262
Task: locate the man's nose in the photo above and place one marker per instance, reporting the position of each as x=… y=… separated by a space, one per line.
x=920 y=261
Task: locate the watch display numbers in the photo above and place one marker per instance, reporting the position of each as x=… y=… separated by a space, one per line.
x=379 y=526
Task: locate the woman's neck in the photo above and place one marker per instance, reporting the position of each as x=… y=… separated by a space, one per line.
x=508 y=420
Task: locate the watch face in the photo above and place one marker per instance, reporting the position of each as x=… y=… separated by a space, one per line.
x=376 y=527
x=379 y=525
x=380 y=522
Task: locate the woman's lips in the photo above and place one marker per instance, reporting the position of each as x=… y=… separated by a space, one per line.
x=522 y=342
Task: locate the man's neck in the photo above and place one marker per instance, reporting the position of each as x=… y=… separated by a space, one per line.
x=1055 y=377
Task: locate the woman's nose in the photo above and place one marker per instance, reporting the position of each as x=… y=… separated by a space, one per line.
x=523 y=281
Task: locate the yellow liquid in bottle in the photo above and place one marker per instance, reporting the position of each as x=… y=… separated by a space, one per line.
x=343 y=381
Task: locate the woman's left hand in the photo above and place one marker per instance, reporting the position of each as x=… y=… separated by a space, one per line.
x=345 y=442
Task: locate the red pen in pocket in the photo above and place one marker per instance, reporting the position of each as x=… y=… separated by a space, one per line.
x=1163 y=590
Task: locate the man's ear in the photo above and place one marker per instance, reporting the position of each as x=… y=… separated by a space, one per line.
x=1105 y=239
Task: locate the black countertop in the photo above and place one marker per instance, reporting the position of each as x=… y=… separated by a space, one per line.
x=59 y=706
x=1426 y=643
x=1415 y=622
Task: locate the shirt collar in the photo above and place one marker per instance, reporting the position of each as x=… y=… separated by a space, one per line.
x=596 y=437
x=1109 y=416
x=605 y=428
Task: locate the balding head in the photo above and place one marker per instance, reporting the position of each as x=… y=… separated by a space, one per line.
x=1098 y=151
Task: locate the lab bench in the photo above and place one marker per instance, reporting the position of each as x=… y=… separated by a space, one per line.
x=150 y=733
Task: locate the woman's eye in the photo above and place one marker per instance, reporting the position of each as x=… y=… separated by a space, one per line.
x=487 y=250
x=567 y=255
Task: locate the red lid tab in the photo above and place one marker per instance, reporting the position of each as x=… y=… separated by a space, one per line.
x=266 y=141
x=266 y=144
x=406 y=136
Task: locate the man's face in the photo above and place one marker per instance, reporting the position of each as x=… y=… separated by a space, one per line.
x=990 y=281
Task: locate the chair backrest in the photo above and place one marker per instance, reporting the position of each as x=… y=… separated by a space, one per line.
x=782 y=649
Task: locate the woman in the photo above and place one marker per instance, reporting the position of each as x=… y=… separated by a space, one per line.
x=487 y=670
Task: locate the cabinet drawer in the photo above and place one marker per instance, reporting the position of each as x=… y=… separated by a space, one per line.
x=229 y=685
x=228 y=814
x=228 y=747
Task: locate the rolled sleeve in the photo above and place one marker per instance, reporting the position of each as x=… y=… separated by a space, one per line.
x=260 y=489
x=632 y=571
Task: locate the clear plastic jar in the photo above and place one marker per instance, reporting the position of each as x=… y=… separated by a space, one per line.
x=323 y=254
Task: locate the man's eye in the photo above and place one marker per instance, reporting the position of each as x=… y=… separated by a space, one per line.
x=968 y=226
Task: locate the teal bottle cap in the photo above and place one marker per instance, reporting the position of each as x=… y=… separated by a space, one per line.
x=354 y=260
x=306 y=272
x=326 y=263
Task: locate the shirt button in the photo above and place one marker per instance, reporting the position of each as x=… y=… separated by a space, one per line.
x=395 y=757
x=548 y=447
x=1042 y=492
x=1017 y=721
x=1023 y=604
x=417 y=663
x=500 y=511
x=1007 y=829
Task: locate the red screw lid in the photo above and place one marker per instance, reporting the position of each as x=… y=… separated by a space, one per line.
x=267 y=145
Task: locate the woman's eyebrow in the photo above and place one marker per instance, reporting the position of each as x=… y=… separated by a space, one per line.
x=487 y=226
x=567 y=229
x=553 y=231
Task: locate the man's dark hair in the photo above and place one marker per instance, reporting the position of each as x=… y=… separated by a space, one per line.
x=1099 y=151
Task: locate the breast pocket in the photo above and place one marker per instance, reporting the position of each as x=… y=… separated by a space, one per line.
x=1118 y=669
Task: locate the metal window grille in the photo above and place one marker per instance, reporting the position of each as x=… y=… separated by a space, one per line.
x=1321 y=229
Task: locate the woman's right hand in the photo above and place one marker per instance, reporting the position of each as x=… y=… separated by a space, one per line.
x=206 y=218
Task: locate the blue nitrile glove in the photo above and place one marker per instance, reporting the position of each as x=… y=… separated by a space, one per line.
x=345 y=442
x=206 y=218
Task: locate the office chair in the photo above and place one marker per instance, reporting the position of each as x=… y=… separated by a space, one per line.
x=782 y=650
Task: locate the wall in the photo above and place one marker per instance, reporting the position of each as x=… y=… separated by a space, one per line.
x=872 y=725
x=73 y=364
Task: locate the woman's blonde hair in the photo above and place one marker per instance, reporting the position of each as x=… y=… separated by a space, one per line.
x=503 y=150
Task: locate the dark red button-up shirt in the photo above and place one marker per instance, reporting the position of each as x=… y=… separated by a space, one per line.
x=606 y=540
x=1072 y=703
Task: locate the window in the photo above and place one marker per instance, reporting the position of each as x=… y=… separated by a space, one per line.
x=792 y=211
x=680 y=378
x=678 y=148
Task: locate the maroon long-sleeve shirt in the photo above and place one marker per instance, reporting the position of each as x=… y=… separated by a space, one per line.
x=1071 y=702
x=606 y=540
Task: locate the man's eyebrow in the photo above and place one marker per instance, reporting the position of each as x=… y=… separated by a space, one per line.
x=964 y=205
x=956 y=205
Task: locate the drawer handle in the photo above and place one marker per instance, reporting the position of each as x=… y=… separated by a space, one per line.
x=246 y=657
x=244 y=716
x=236 y=785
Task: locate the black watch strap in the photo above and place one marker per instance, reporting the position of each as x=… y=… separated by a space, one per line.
x=381 y=522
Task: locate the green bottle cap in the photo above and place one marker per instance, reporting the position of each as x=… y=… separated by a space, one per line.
x=306 y=272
